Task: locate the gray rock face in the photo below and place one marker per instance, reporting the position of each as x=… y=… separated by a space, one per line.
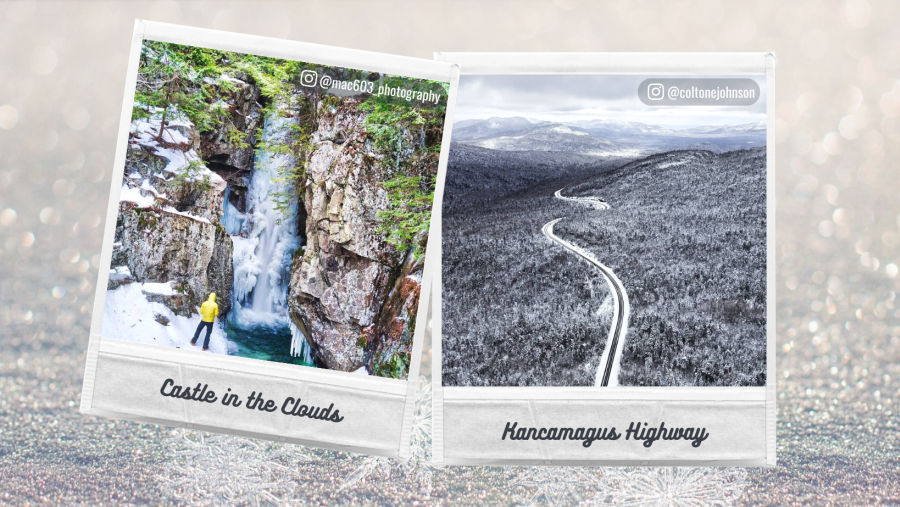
x=178 y=302
x=220 y=270
x=347 y=289
x=227 y=145
x=168 y=228
x=337 y=301
x=168 y=247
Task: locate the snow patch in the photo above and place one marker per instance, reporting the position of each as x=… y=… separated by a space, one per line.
x=161 y=289
x=147 y=187
x=672 y=164
x=625 y=152
x=129 y=316
x=566 y=130
x=134 y=195
x=119 y=273
x=169 y=209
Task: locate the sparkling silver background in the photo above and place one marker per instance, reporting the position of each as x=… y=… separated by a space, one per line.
x=62 y=68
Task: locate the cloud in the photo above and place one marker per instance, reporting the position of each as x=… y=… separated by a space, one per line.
x=579 y=97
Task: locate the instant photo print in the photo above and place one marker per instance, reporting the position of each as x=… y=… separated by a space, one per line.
x=606 y=287
x=266 y=244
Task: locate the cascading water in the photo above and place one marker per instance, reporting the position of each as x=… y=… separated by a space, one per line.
x=264 y=240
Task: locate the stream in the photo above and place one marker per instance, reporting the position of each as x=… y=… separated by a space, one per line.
x=264 y=240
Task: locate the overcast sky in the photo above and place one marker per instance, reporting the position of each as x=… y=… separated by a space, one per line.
x=571 y=98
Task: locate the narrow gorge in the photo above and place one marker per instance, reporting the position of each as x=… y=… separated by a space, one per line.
x=286 y=206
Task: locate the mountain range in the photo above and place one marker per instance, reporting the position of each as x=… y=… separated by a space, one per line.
x=603 y=137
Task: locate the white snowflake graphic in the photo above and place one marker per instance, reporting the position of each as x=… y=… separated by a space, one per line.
x=418 y=470
x=216 y=469
x=671 y=487
x=554 y=486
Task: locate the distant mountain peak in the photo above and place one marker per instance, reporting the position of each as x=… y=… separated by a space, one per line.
x=603 y=136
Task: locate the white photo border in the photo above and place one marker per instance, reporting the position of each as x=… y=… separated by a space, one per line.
x=688 y=64
x=112 y=347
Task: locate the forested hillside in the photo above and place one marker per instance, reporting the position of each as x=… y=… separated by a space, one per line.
x=686 y=234
x=517 y=309
x=479 y=174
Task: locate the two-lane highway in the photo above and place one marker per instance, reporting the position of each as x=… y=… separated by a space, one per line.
x=608 y=371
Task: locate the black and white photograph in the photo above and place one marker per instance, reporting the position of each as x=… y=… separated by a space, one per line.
x=590 y=238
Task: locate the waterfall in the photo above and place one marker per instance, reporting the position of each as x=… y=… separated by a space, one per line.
x=264 y=237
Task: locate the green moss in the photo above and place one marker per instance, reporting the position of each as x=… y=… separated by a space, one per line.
x=147 y=219
x=409 y=213
x=193 y=175
x=331 y=102
x=396 y=366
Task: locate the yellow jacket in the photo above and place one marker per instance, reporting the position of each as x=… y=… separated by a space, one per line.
x=209 y=310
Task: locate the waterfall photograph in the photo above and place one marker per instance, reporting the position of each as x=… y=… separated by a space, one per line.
x=590 y=239
x=274 y=210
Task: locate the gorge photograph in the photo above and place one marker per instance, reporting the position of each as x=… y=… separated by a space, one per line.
x=265 y=215
x=591 y=239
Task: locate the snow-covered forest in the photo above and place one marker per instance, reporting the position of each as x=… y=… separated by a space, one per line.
x=685 y=233
x=305 y=211
x=517 y=310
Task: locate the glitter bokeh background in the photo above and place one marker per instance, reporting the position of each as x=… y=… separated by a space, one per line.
x=62 y=68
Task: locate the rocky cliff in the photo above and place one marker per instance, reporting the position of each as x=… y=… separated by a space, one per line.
x=169 y=226
x=231 y=146
x=352 y=292
x=353 y=288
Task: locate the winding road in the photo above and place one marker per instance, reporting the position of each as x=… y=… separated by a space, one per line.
x=608 y=371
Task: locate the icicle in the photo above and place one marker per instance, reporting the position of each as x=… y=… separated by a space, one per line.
x=299 y=345
x=232 y=219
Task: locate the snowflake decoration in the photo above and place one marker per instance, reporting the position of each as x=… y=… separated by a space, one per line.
x=418 y=470
x=420 y=438
x=368 y=466
x=672 y=487
x=555 y=486
x=227 y=469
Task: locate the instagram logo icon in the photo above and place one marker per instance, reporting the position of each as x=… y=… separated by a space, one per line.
x=308 y=78
x=655 y=91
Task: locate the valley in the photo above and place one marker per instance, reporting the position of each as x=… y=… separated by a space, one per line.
x=683 y=230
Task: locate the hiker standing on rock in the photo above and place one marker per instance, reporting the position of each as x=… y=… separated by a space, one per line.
x=209 y=310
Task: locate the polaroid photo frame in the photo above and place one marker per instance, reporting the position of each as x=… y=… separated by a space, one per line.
x=255 y=277
x=686 y=376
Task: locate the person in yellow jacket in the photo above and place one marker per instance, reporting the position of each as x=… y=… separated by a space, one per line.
x=209 y=310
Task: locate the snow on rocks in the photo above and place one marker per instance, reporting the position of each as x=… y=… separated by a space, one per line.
x=132 y=194
x=167 y=294
x=176 y=149
x=120 y=275
x=169 y=209
x=130 y=316
x=161 y=289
